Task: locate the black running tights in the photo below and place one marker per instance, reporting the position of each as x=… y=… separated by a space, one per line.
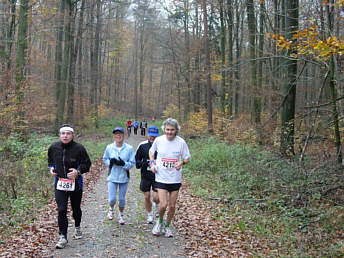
x=62 y=203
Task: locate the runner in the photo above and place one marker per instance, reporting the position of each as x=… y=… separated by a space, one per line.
x=129 y=124
x=119 y=157
x=143 y=126
x=135 y=125
x=67 y=161
x=172 y=154
x=147 y=177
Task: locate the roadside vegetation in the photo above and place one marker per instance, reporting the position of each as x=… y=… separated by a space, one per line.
x=297 y=209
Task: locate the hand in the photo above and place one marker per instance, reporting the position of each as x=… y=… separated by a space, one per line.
x=112 y=162
x=117 y=162
x=178 y=165
x=145 y=163
x=73 y=173
x=120 y=162
x=153 y=168
x=52 y=171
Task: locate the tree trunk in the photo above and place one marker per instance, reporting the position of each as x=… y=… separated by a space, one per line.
x=289 y=89
x=332 y=86
x=231 y=96
x=58 y=65
x=80 y=55
x=20 y=64
x=11 y=32
x=207 y=68
x=256 y=107
x=72 y=65
x=224 y=91
x=188 y=101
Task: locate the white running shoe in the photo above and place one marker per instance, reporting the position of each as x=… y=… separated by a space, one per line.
x=62 y=242
x=110 y=214
x=78 y=233
x=121 y=219
x=168 y=232
x=150 y=218
x=156 y=231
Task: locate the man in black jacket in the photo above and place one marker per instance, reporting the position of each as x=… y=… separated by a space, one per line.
x=68 y=160
x=147 y=177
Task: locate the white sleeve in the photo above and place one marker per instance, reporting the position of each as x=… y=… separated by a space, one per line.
x=154 y=146
x=185 y=151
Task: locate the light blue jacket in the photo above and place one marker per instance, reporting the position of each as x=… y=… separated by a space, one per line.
x=118 y=174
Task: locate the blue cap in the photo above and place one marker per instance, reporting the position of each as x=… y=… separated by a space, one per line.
x=118 y=129
x=153 y=131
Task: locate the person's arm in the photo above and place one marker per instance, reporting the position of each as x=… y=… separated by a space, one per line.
x=185 y=157
x=85 y=161
x=131 y=161
x=51 y=162
x=181 y=163
x=152 y=161
x=106 y=157
x=139 y=158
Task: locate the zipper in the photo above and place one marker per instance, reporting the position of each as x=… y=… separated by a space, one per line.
x=63 y=161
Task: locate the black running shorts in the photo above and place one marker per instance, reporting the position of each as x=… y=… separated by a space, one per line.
x=168 y=187
x=146 y=185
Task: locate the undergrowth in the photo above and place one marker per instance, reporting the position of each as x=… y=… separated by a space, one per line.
x=298 y=209
x=26 y=184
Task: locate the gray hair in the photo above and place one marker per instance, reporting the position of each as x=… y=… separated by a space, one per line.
x=172 y=122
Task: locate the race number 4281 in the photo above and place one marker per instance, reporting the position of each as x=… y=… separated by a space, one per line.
x=65 y=184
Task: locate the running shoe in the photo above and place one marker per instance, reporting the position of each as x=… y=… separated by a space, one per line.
x=78 y=233
x=62 y=242
x=110 y=214
x=121 y=219
x=168 y=232
x=156 y=231
x=156 y=210
x=150 y=218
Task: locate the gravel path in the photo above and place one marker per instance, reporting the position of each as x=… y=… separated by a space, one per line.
x=104 y=238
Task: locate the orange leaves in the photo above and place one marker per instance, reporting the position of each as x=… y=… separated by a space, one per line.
x=308 y=42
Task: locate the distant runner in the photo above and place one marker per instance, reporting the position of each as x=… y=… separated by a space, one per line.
x=67 y=161
x=147 y=177
x=172 y=154
x=135 y=125
x=119 y=157
x=129 y=125
x=143 y=126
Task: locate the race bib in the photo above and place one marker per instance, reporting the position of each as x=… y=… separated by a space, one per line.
x=168 y=163
x=65 y=184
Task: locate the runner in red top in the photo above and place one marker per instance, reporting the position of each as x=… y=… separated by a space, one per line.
x=129 y=125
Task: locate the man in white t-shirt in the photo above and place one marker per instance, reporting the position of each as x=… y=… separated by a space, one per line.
x=172 y=154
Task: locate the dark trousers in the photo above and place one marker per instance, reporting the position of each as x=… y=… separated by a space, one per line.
x=143 y=131
x=135 y=130
x=62 y=203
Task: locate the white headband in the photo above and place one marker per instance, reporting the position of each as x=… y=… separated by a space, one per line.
x=66 y=128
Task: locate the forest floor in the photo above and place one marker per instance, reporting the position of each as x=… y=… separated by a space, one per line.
x=197 y=231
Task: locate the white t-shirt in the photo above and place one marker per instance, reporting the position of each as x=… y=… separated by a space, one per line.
x=169 y=153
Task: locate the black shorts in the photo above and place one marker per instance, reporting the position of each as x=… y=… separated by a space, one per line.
x=168 y=187
x=147 y=184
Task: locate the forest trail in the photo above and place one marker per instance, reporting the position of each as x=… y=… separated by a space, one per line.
x=105 y=238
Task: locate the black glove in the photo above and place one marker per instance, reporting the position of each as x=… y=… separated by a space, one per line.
x=121 y=162
x=118 y=162
x=112 y=162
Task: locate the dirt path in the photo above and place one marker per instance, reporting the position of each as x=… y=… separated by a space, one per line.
x=104 y=238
